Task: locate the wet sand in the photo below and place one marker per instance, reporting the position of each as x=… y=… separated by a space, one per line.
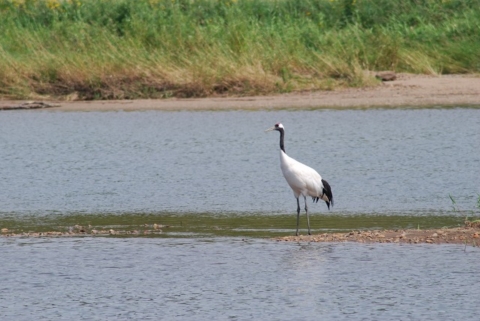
x=460 y=235
x=406 y=91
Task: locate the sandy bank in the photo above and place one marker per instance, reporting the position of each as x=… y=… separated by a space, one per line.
x=406 y=90
x=460 y=235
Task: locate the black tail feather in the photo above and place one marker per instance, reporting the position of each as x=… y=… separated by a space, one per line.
x=327 y=191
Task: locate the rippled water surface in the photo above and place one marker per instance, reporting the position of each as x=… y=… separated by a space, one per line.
x=214 y=179
x=220 y=279
x=377 y=161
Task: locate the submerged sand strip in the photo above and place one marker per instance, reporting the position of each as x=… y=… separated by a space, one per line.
x=460 y=235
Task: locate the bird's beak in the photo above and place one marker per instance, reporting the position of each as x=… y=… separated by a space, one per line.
x=270 y=129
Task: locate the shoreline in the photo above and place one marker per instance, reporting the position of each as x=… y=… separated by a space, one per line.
x=407 y=90
x=456 y=235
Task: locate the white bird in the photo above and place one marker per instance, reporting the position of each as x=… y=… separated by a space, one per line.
x=302 y=179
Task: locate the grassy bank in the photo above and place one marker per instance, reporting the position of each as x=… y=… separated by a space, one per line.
x=105 y=49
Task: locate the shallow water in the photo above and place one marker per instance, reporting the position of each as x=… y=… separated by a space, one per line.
x=231 y=278
x=168 y=225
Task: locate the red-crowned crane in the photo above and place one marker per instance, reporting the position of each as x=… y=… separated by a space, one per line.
x=302 y=179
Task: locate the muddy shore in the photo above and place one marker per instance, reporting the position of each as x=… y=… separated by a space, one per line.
x=460 y=235
x=406 y=91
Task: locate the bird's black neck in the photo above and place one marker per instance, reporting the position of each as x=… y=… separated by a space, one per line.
x=282 y=145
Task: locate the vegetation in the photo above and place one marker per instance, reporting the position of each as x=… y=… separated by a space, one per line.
x=474 y=222
x=104 y=49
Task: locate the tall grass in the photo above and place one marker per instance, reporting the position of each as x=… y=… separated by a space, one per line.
x=102 y=49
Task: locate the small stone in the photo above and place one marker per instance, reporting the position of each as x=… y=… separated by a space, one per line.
x=111 y=232
x=429 y=241
x=4 y=230
x=434 y=235
x=386 y=75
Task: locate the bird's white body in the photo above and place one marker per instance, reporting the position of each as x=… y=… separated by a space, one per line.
x=303 y=180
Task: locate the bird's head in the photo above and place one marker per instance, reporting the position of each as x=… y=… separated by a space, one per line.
x=278 y=126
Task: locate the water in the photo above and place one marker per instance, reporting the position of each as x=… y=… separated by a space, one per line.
x=214 y=178
x=220 y=279
x=403 y=162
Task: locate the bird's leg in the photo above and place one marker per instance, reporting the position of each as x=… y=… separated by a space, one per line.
x=306 y=211
x=298 y=214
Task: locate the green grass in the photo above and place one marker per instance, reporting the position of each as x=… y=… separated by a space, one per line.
x=474 y=221
x=106 y=49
